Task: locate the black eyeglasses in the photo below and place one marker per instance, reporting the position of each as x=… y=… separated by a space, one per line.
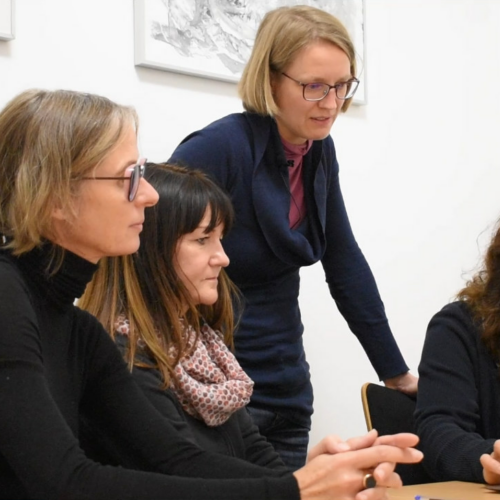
x=318 y=91
x=136 y=174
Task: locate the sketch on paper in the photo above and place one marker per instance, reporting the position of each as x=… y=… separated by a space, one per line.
x=214 y=38
x=6 y=19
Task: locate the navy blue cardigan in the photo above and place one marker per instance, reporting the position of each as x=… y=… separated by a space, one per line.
x=244 y=154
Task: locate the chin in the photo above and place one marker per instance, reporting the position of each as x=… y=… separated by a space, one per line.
x=125 y=250
x=209 y=301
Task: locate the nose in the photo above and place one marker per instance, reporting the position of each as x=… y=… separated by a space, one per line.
x=331 y=101
x=220 y=258
x=147 y=195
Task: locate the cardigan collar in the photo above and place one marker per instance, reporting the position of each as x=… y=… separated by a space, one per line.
x=270 y=175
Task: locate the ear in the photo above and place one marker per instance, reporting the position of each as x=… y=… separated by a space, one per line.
x=59 y=213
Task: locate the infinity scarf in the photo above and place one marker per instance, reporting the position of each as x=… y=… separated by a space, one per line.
x=209 y=383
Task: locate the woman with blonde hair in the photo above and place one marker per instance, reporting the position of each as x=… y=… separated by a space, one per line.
x=72 y=192
x=278 y=163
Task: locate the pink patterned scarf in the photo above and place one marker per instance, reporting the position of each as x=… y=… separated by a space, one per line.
x=210 y=384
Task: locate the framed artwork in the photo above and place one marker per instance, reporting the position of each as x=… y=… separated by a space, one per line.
x=6 y=19
x=214 y=38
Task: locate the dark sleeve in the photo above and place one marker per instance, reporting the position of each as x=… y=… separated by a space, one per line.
x=258 y=450
x=353 y=287
x=448 y=412
x=150 y=382
x=43 y=453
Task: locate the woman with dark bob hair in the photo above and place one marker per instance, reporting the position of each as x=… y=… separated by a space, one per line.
x=458 y=405
x=72 y=192
x=169 y=307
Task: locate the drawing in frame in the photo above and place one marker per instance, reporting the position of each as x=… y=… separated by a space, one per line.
x=214 y=38
x=6 y=19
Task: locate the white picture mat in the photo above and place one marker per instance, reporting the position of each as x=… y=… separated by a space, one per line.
x=197 y=37
x=6 y=19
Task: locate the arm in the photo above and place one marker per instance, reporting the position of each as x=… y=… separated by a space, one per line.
x=353 y=286
x=322 y=479
x=257 y=448
x=448 y=413
x=40 y=447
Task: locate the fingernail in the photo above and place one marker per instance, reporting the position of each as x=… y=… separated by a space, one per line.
x=343 y=447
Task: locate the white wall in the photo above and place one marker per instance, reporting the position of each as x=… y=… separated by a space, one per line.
x=419 y=163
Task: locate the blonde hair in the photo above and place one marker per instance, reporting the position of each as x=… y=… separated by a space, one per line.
x=48 y=140
x=281 y=34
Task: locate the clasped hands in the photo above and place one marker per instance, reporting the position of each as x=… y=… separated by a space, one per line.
x=335 y=468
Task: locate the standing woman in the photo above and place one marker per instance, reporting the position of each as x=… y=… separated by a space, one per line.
x=71 y=192
x=277 y=161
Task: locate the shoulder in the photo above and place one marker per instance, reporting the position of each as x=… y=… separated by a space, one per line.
x=13 y=288
x=455 y=315
x=453 y=324
x=229 y=128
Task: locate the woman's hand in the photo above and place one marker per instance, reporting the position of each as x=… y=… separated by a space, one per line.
x=406 y=383
x=491 y=464
x=340 y=476
x=334 y=444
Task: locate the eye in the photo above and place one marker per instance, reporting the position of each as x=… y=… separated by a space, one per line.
x=202 y=241
x=315 y=86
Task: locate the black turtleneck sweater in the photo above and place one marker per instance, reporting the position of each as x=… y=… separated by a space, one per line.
x=57 y=365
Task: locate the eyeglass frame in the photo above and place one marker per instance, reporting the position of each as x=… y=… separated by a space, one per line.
x=136 y=172
x=330 y=87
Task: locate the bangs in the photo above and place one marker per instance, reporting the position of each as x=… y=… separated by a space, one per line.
x=221 y=211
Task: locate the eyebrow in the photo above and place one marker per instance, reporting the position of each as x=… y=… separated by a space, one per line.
x=126 y=165
x=343 y=79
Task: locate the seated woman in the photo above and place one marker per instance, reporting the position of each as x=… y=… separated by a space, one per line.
x=72 y=192
x=458 y=404
x=169 y=307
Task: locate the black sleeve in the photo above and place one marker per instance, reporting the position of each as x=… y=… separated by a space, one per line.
x=44 y=455
x=257 y=449
x=448 y=412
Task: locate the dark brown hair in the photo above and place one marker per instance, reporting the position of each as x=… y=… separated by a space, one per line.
x=145 y=287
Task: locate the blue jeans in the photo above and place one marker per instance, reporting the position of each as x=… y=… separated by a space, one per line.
x=289 y=439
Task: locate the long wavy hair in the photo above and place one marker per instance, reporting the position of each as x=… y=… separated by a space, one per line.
x=145 y=288
x=482 y=294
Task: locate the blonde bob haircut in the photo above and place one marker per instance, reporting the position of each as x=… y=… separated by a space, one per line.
x=282 y=33
x=49 y=140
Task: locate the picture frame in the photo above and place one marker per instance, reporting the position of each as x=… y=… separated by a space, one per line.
x=7 y=20
x=213 y=39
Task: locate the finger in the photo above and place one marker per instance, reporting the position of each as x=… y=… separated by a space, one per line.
x=402 y=440
x=371 y=457
x=360 y=442
x=491 y=469
x=330 y=444
x=385 y=476
x=490 y=463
